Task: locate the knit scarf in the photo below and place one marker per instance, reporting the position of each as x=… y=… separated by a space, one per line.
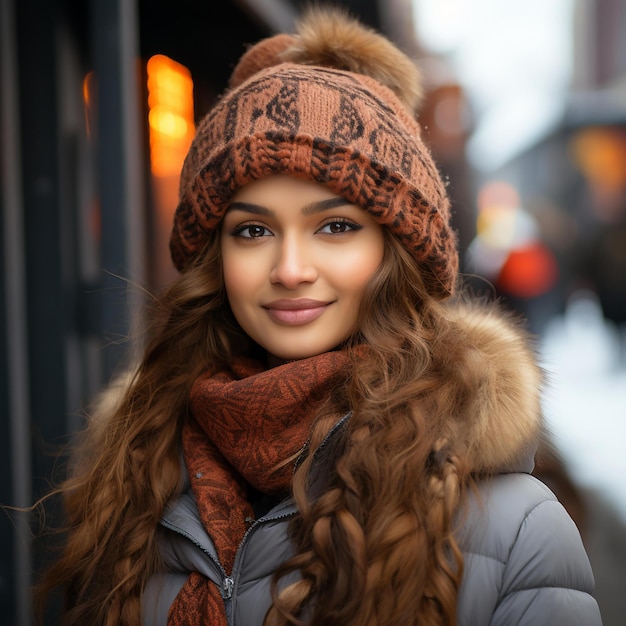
x=243 y=425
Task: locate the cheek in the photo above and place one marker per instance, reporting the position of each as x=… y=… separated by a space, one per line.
x=236 y=277
x=231 y=276
x=239 y=287
x=359 y=269
x=369 y=269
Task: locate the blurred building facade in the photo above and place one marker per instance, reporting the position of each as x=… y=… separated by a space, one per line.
x=569 y=211
x=98 y=102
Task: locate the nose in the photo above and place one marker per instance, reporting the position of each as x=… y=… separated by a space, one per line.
x=294 y=264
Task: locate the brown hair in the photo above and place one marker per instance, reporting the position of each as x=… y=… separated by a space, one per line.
x=375 y=548
x=128 y=460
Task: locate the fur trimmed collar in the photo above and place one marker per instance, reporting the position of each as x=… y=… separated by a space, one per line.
x=494 y=368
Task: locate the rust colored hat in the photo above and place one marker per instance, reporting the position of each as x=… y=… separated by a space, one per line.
x=334 y=103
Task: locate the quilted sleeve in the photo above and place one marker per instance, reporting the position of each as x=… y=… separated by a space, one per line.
x=547 y=579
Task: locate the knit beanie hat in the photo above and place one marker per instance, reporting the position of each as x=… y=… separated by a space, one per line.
x=334 y=103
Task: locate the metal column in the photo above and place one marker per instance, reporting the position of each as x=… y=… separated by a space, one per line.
x=121 y=174
x=15 y=572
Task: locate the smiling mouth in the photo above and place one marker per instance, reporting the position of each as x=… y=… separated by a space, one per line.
x=295 y=312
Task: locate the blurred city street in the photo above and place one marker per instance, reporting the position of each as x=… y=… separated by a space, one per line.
x=583 y=353
x=585 y=409
x=585 y=401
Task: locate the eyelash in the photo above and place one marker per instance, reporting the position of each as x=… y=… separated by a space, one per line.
x=352 y=226
x=239 y=230
x=242 y=228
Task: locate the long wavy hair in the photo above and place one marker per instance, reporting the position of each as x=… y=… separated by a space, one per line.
x=377 y=547
x=127 y=462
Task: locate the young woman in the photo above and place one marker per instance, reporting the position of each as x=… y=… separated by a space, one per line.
x=319 y=432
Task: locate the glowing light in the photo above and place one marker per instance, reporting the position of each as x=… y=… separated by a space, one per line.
x=498 y=193
x=501 y=223
x=167 y=123
x=171 y=114
x=601 y=155
x=506 y=248
x=88 y=87
x=529 y=272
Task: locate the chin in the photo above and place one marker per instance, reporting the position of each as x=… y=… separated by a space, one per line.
x=279 y=357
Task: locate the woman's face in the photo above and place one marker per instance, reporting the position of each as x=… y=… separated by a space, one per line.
x=296 y=260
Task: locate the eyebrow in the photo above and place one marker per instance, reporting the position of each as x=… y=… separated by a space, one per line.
x=307 y=209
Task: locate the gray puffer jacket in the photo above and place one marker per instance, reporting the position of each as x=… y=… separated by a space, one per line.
x=524 y=562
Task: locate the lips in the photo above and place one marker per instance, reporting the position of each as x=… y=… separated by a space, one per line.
x=295 y=312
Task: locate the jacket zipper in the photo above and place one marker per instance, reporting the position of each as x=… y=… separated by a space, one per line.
x=232 y=581
x=329 y=435
x=183 y=533
x=229 y=583
x=227 y=588
x=241 y=549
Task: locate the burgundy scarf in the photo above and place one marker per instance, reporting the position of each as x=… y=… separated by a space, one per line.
x=244 y=424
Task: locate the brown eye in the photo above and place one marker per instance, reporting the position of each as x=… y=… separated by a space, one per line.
x=255 y=231
x=339 y=227
x=250 y=231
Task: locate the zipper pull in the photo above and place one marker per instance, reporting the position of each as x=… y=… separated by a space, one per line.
x=227 y=588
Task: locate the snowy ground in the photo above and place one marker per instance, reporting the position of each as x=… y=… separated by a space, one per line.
x=585 y=405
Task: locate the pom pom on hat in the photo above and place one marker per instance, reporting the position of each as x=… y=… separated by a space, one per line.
x=264 y=54
x=333 y=103
x=330 y=38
